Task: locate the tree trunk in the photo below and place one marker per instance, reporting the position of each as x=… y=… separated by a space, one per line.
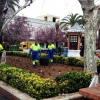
x=2 y=18
x=91 y=16
x=90 y=47
x=99 y=39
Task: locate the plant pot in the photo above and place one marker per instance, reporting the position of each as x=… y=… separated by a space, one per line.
x=44 y=61
x=98 y=70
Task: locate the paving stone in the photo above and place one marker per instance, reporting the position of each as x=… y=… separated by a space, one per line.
x=3 y=97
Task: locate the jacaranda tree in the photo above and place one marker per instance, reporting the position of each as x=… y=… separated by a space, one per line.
x=10 y=4
x=18 y=30
x=49 y=34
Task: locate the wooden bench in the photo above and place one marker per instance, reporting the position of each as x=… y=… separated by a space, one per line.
x=91 y=92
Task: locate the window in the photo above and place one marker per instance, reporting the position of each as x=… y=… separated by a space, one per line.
x=42 y=45
x=45 y=18
x=24 y=45
x=54 y=19
x=73 y=39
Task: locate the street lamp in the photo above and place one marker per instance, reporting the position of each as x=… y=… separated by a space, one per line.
x=57 y=30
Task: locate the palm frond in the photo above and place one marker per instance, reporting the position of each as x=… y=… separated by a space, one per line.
x=71 y=19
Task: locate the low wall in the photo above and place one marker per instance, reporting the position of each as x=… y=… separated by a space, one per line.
x=73 y=53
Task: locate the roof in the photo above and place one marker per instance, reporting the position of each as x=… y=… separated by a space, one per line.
x=76 y=28
x=42 y=22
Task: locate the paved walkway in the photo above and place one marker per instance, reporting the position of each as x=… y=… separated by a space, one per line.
x=2 y=97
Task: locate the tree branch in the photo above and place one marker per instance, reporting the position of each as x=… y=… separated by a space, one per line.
x=87 y=5
x=21 y=8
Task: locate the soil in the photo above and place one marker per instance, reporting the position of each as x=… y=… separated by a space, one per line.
x=50 y=71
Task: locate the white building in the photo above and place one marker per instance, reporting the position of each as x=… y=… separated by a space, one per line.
x=48 y=17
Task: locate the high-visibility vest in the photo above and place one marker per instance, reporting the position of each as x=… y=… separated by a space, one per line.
x=51 y=46
x=1 y=47
x=35 y=47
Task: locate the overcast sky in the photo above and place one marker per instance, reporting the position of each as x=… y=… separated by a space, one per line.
x=59 y=8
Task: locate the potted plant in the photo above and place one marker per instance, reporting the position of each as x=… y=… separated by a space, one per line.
x=44 y=61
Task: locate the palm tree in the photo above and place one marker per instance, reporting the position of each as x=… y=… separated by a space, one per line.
x=4 y=6
x=71 y=19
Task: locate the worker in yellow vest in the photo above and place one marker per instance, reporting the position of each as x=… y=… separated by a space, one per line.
x=1 y=48
x=34 y=50
x=50 y=52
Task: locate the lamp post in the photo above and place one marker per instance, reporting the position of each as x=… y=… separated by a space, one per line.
x=57 y=30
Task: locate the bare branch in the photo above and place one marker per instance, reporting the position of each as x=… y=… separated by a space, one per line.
x=87 y=5
x=21 y=8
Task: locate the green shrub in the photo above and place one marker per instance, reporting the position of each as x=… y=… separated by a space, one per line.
x=29 y=83
x=98 y=63
x=76 y=80
x=58 y=59
x=80 y=64
x=72 y=61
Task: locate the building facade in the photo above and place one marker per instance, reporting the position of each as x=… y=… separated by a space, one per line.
x=74 y=35
x=48 y=17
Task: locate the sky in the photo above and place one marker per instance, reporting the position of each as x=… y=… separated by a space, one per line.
x=59 y=8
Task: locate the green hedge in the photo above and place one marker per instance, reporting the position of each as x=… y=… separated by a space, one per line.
x=76 y=80
x=29 y=83
x=72 y=61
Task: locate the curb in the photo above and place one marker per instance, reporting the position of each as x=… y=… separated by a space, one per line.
x=14 y=94
x=69 y=96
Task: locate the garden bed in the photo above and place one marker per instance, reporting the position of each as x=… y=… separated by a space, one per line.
x=50 y=71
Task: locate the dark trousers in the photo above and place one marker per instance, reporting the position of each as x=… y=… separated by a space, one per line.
x=0 y=53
